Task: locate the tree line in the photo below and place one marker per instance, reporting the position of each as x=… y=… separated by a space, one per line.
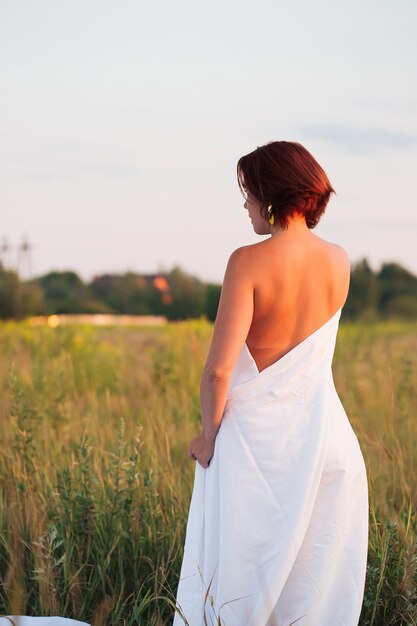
x=390 y=292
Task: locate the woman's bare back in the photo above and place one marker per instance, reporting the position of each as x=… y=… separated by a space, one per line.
x=300 y=281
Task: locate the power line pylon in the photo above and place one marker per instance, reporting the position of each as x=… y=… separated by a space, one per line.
x=24 y=257
x=4 y=250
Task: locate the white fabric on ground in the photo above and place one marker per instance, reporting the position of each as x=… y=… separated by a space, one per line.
x=25 y=620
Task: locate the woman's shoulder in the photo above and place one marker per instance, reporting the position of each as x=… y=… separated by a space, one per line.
x=247 y=256
x=260 y=247
x=247 y=251
x=340 y=254
x=338 y=249
x=241 y=255
x=242 y=264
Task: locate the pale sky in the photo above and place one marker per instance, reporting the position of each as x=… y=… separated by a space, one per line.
x=121 y=123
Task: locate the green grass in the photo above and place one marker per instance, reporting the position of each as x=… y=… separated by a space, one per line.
x=95 y=480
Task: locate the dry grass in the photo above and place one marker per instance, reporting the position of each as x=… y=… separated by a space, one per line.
x=95 y=480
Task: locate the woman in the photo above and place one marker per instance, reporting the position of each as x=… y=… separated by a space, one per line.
x=278 y=523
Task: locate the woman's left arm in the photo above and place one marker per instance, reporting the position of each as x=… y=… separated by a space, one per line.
x=233 y=320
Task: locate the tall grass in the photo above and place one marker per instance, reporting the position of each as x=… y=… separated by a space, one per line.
x=96 y=483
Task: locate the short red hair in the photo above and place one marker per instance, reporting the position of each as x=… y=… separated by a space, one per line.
x=286 y=175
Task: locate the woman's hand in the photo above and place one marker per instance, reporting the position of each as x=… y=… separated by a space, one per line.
x=201 y=449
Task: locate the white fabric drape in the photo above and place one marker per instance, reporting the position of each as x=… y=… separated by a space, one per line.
x=278 y=522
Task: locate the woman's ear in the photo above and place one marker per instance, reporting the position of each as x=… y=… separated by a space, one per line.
x=310 y=203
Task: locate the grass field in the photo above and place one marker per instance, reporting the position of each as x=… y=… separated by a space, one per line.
x=95 y=480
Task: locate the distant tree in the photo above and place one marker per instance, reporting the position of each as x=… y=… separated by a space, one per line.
x=32 y=300
x=188 y=295
x=213 y=292
x=404 y=307
x=391 y=292
x=17 y=299
x=129 y=294
x=9 y=288
x=362 y=301
x=64 y=292
x=397 y=291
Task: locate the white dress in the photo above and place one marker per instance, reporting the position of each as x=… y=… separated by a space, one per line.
x=277 y=528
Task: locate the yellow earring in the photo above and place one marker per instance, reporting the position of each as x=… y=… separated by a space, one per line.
x=270 y=215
